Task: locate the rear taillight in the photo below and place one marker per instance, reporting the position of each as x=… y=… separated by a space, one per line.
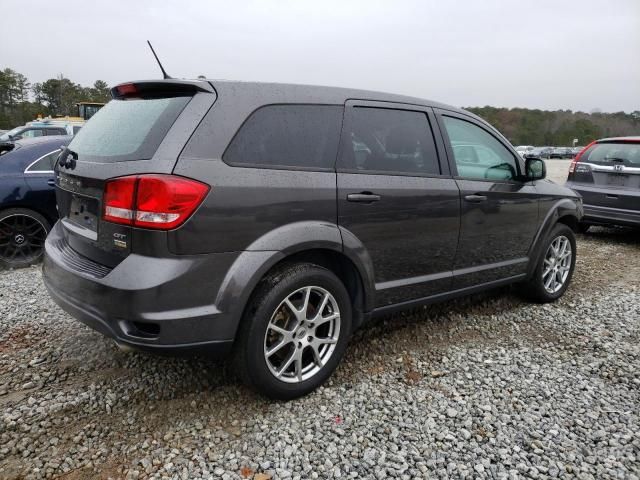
x=160 y=202
x=118 y=200
x=576 y=159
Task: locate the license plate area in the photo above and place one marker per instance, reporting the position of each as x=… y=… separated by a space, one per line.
x=616 y=179
x=84 y=212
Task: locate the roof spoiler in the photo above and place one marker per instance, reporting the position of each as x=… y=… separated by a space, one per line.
x=160 y=88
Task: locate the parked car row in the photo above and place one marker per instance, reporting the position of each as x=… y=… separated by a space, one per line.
x=212 y=223
x=548 y=152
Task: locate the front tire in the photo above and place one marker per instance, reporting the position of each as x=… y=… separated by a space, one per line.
x=22 y=236
x=294 y=331
x=555 y=266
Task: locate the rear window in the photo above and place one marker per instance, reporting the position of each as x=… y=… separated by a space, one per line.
x=302 y=136
x=127 y=129
x=387 y=140
x=611 y=153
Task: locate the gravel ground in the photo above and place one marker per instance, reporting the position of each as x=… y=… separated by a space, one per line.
x=485 y=387
x=557 y=170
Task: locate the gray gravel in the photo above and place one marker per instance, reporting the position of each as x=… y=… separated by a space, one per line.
x=485 y=387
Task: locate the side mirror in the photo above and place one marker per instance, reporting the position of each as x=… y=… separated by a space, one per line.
x=535 y=168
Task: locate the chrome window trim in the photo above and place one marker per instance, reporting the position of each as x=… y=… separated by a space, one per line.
x=27 y=171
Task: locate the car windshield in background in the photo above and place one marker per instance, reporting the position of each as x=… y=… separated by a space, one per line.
x=5 y=137
x=127 y=129
x=610 y=153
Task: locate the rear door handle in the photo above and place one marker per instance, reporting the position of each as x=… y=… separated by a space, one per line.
x=475 y=198
x=51 y=182
x=363 y=197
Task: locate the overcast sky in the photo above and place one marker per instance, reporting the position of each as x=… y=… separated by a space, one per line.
x=548 y=54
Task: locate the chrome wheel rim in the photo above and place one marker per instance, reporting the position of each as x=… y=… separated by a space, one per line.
x=557 y=264
x=21 y=238
x=302 y=334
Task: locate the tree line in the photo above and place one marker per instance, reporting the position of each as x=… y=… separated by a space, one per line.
x=21 y=101
x=558 y=128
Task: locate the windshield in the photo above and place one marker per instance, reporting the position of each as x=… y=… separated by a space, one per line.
x=610 y=153
x=126 y=130
x=5 y=137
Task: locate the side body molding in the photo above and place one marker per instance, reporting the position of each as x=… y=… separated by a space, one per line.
x=558 y=209
x=254 y=262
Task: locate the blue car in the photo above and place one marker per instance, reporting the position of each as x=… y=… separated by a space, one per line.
x=27 y=198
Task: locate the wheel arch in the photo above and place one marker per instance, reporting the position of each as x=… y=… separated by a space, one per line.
x=565 y=211
x=31 y=208
x=319 y=243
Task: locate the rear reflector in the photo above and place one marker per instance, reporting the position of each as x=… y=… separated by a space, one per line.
x=160 y=202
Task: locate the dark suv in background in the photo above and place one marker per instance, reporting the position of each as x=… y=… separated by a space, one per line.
x=270 y=221
x=607 y=176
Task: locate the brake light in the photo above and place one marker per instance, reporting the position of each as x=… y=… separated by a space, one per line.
x=160 y=202
x=576 y=159
x=127 y=89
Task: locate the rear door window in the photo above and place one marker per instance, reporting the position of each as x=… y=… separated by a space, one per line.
x=627 y=154
x=281 y=136
x=32 y=133
x=56 y=131
x=124 y=130
x=384 y=140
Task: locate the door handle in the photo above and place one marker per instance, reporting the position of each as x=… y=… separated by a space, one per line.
x=475 y=198
x=51 y=182
x=363 y=197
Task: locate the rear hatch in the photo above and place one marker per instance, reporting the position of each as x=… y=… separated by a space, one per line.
x=141 y=131
x=607 y=173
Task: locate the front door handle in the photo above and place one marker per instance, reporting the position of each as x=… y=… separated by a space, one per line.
x=51 y=182
x=475 y=198
x=363 y=197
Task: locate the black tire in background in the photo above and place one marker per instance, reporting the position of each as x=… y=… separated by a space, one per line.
x=250 y=351
x=583 y=227
x=535 y=288
x=22 y=236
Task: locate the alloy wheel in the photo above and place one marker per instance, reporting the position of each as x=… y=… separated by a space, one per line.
x=557 y=264
x=302 y=334
x=21 y=238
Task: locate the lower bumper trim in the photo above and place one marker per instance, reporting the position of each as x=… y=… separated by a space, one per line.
x=210 y=348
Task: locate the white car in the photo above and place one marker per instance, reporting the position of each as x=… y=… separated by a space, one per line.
x=524 y=149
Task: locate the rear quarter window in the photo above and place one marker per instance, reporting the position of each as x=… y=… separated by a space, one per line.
x=281 y=136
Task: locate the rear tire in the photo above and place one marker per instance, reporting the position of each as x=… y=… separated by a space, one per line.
x=22 y=236
x=294 y=331
x=555 y=266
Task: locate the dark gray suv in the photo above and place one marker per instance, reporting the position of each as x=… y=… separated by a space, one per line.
x=270 y=221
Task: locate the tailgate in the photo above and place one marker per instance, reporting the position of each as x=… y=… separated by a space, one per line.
x=142 y=131
x=607 y=174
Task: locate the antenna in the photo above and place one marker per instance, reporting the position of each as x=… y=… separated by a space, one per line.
x=164 y=74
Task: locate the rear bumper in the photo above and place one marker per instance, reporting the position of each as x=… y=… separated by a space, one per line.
x=159 y=304
x=611 y=216
x=602 y=205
